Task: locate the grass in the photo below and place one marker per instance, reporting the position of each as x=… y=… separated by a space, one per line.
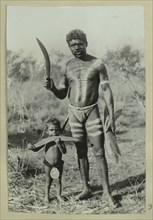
x=127 y=178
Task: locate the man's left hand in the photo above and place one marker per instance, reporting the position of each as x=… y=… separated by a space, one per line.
x=110 y=124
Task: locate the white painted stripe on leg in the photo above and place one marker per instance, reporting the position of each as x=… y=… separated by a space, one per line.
x=95 y=133
x=104 y=82
x=93 y=122
x=77 y=136
x=75 y=124
x=94 y=127
x=76 y=131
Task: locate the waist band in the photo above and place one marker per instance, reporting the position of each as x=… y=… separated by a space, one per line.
x=60 y=164
x=83 y=108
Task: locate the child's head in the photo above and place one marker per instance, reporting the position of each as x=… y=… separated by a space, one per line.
x=53 y=127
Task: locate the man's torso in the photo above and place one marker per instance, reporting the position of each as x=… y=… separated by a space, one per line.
x=83 y=79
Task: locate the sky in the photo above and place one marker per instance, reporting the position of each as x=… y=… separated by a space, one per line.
x=106 y=27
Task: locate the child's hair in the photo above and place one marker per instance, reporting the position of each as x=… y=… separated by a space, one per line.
x=53 y=121
x=76 y=34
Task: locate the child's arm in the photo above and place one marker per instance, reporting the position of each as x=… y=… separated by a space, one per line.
x=34 y=147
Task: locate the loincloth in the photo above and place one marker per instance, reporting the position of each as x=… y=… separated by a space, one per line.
x=59 y=166
x=85 y=121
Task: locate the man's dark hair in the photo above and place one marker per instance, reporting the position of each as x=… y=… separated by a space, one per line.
x=53 y=121
x=76 y=34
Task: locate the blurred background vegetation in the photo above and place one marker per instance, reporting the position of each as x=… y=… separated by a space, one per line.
x=30 y=104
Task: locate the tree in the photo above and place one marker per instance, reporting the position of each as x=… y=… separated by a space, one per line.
x=20 y=67
x=128 y=64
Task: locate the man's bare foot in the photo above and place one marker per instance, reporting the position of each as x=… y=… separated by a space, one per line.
x=86 y=194
x=110 y=200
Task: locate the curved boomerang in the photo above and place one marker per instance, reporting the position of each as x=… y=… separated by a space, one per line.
x=47 y=61
x=46 y=56
x=44 y=141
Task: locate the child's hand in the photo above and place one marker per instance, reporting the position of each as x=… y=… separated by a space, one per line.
x=30 y=146
x=61 y=145
x=34 y=148
x=57 y=140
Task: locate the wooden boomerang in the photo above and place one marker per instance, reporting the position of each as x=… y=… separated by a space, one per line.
x=47 y=140
x=46 y=56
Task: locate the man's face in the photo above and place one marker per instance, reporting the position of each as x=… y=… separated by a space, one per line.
x=78 y=48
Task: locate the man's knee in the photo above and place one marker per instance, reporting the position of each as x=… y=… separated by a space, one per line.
x=99 y=153
x=81 y=154
x=81 y=150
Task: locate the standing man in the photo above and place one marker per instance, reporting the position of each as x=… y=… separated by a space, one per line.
x=81 y=79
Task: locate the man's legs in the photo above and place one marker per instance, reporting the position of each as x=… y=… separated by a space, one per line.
x=84 y=169
x=99 y=153
x=95 y=133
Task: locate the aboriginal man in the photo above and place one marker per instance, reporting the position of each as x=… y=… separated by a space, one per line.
x=80 y=81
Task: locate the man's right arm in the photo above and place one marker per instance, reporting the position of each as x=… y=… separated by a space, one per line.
x=59 y=92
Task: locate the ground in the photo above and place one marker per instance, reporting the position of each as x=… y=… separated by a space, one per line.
x=127 y=178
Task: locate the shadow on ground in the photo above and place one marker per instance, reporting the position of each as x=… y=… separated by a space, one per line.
x=137 y=181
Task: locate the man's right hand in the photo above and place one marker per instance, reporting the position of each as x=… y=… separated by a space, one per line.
x=48 y=83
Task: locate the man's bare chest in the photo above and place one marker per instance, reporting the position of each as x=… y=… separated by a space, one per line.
x=82 y=72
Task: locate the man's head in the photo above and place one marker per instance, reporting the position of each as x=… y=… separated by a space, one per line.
x=76 y=34
x=53 y=127
x=77 y=43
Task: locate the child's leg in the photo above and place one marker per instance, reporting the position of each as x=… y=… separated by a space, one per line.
x=59 y=188
x=49 y=181
x=59 y=183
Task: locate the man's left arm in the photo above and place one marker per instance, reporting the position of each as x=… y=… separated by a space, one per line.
x=108 y=96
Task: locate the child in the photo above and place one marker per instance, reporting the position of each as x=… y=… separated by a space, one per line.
x=53 y=158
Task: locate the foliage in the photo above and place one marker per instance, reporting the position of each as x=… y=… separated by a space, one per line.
x=20 y=66
x=29 y=103
x=125 y=59
x=128 y=65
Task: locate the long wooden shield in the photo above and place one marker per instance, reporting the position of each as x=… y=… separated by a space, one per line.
x=110 y=139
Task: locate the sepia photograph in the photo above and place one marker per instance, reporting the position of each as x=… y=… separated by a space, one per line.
x=76 y=110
